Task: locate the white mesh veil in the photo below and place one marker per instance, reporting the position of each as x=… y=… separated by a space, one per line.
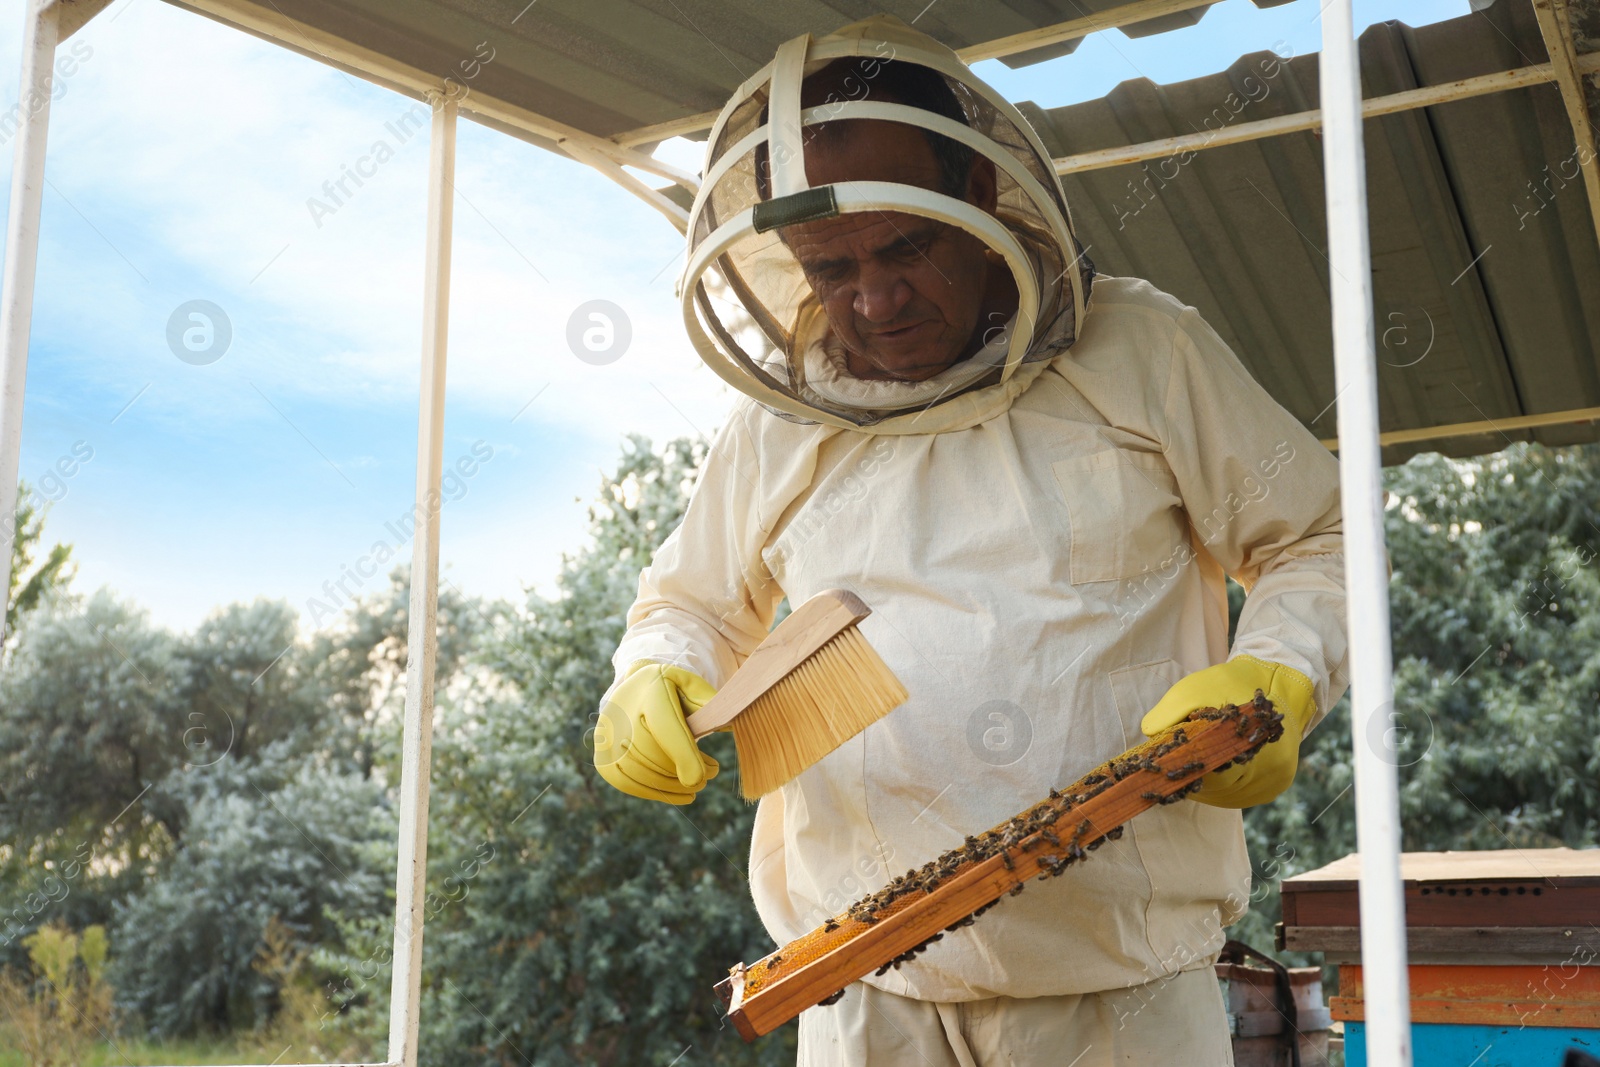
x=747 y=304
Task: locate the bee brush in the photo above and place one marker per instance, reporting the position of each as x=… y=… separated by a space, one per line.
x=813 y=684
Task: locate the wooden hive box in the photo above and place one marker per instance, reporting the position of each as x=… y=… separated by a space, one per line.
x=1257 y=1025
x=1504 y=952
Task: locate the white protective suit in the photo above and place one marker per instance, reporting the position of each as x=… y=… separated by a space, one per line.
x=1043 y=560
x=1044 y=555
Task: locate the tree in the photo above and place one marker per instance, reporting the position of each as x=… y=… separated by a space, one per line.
x=30 y=583
x=114 y=735
x=225 y=796
x=274 y=838
x=568 y=923
x=355 y=671
x=241 y=684
x=87 y=726
x=1495 y=602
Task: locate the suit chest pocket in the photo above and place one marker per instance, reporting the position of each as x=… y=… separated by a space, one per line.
x=1125 y=511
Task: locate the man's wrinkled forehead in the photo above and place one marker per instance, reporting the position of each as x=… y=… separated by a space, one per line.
x=825 y=244
x=870 y=150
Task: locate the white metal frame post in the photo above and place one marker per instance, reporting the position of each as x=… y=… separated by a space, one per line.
x=1383 y=919
x=422 y=637
x=39 y=34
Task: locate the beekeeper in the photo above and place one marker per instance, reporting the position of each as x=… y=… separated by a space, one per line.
x=1037 y=478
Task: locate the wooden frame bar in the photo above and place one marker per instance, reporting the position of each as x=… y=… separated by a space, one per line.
x=1467 y=994
x=1463 y=940
x=1467 y=429
x=1505 y=1012
x=1555 y=25
x=1300 y=121
x=382 y=70
x=672 y=212
x=768 y=993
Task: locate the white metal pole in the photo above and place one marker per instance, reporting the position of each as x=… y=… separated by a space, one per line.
x=1383 y=919
x=422 y=637
x=39 y=31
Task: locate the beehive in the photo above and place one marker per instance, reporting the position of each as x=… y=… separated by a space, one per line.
x=1502 y=949
x=1261 y=1026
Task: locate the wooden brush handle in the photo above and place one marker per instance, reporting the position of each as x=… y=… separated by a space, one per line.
x=794 y=640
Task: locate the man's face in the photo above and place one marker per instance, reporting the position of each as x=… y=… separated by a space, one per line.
x=903 y=293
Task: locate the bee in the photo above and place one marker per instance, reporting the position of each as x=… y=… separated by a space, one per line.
x=829 y=927
x=774 y=961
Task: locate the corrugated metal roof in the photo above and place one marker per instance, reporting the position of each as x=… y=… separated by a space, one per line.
x=1486 y=284
x=609 y=66
x=1486 y=267
x=612 y=66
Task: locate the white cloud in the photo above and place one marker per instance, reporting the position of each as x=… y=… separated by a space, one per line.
x=191 y=150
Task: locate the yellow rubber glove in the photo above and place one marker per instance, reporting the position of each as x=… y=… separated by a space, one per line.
x=1243 y=785
x=643 y=746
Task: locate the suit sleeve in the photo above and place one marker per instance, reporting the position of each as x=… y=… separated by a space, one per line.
x=707 y=599
x=1262 y=495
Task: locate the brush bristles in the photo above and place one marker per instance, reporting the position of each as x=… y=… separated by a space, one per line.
x=835 y=693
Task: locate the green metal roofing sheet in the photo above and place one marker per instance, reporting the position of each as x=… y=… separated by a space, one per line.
x=1486 y=282
x=609 y=66
x=1485 y=262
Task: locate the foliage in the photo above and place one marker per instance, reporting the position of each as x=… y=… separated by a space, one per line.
x=273 y=838
x=570 y=924
x=31 y=583
x=67 y=1006
x=223 y=799
x=136 y=765
x=1495 y=602
x=86 y=726
x=300 y=1030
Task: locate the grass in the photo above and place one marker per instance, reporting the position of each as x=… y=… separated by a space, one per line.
x=136 y=1052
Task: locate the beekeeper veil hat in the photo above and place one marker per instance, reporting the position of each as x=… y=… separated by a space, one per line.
x=746 y=302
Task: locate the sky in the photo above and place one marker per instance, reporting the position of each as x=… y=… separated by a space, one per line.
x=261 y=442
